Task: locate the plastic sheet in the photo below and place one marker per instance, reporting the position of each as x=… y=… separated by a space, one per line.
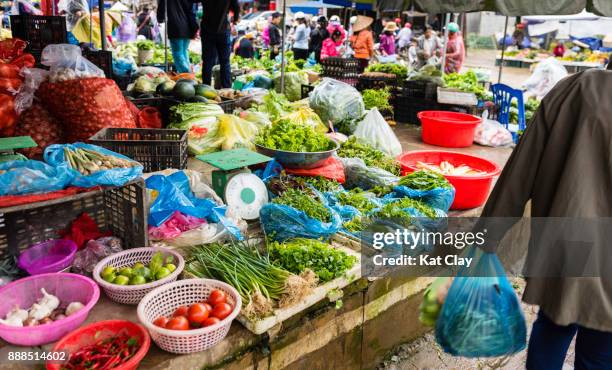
x=281 y=222
x=175 y=226
x=440 y=198
x=358 y=175
x=61 y=56
x=481 y=316
x=375 y=130
x=544 y=77
x=87 y=258
x=54 y=155
x=336 y=101
x=25 y=177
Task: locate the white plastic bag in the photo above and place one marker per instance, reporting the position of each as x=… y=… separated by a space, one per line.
x=544 y=77
x=65 y=61
x=492 y=133
x=336 y=101
x=33 y=77
x=376 y=131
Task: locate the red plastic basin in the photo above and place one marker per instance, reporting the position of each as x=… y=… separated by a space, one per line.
x=470 y=191
x=92 y=333
x=448 y=129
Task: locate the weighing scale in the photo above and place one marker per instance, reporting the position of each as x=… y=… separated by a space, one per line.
x=243 y=192
x=8 y=145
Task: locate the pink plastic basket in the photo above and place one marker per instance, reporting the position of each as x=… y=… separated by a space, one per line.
x=25 y=292
x=46 y=257
x=165 y=299
x=132 y=294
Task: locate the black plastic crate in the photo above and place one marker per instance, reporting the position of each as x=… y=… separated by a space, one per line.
x=405 y=109
x=122 y=81
x=103 y=59
x=156 y=149
x=120 y=210
x=306 y=89
x=39 y=31
x=375 y=82
x=229 y=105
x=162 y=103
x=420 y=89
x=343 y=69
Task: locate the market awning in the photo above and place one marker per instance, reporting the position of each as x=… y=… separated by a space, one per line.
x=358 y=4
x=582 y=16
x=312 y=7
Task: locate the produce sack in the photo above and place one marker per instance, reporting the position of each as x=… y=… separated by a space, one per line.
x=331 y=169
x=306 y=116
x=336 y=101
x=235 y=132
x=375 y=131
x=440 y=198
x=85 y=106
x=38 y=123
x=293 y=84
x=54 y=155
x=281 y=222
x=481 y=316
x=358 y=175
x=26 y=177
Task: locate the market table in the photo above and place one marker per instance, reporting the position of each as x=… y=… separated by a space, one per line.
x=375 y=316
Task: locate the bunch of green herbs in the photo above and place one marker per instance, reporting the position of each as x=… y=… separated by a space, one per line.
x=355 y=148
x=377 y=98
x=424 y=180
x=305 y=202
x=291 y=137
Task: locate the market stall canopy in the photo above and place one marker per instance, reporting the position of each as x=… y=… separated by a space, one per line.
x=357 y=4
x=505 y=7
x=312 y=7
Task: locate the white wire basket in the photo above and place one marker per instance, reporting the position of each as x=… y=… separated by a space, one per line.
x=132 y=294
x=163 y=301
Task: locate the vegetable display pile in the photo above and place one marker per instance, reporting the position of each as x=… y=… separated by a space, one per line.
x=403 y=203
x=427 y=73
x=199 y=314
x=353 y=148
x=467 y=82
x=424 y=180
x=305 y=202
x=377 y=98
x=88 y=161
x=356 y=198
x=299 y=255
x=356 y=225
x=138 y=274
x=392 y=68
x=260 y=283
x=292 y=137
x=104 y=354
x=446 y=168
x=321 y=183
x=46 y=310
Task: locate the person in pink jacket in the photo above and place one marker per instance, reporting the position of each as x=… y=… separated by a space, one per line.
x=334 y=24
x=331 y=45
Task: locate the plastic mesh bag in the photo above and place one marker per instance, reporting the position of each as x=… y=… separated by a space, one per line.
x=375 y=131
x=336 y=101
x=481 y=316
x=25 y=177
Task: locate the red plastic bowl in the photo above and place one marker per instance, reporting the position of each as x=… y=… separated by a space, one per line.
x=101 y=330
x=448 y=129
x=470 y=191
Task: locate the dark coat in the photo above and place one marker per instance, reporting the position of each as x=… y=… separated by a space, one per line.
x=182 y=22
x=215 y=14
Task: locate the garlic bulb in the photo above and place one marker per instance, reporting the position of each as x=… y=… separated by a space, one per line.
x=12 y=321
x=48 y=300
x=39 y=312
x=17 y=312
x=73 y=307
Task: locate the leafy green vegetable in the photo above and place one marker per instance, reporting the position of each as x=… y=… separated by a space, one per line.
x=292 y=137
x=353 y=148
x=377 y=98
x=399 y=70
x=358 y=199
x=145 y=45
x=397 y=209
x=301 y=254
x=275 y=105
x=321 y=183
x=304 y=201
x=356 y=225
x=467 y=82
x=424 y=180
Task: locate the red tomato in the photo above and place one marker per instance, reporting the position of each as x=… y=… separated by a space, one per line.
x=210 y=321
x=181 y=311
x=222 y=310
x=197 y=313
x=207 y=306
x=178 y=323
x=216 y=297
x=161 y=321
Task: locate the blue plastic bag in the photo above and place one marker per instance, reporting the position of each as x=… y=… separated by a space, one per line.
x=54 y=156
x=440 y=198
x=481 y=316
x=26 y=177
x=173 y=193
x=281 y=222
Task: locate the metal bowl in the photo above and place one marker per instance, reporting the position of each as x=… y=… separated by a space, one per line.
x=303 y=160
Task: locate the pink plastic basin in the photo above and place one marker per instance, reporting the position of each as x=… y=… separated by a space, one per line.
x=46 y=257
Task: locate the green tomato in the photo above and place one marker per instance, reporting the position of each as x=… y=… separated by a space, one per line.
x=162 y=273
x=121 y=280
x=170 y=266
x=137 y=280
x=126 y=271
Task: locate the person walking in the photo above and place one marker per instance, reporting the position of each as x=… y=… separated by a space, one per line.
x=145 y=24
x=362 y=41
x=300 y=37
x=275 y=35
x=182 y=27
x=216 y=38
x=317 y=36
x=455 y=50
x=387 y=39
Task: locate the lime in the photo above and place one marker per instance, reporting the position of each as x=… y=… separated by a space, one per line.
x=145 y=272
x=126 y=271
x=170 y=267
x=162 y=273
x=138 y=265
x=137 y=280
x=108 y=273
x=109 y=277
x=121 y=280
